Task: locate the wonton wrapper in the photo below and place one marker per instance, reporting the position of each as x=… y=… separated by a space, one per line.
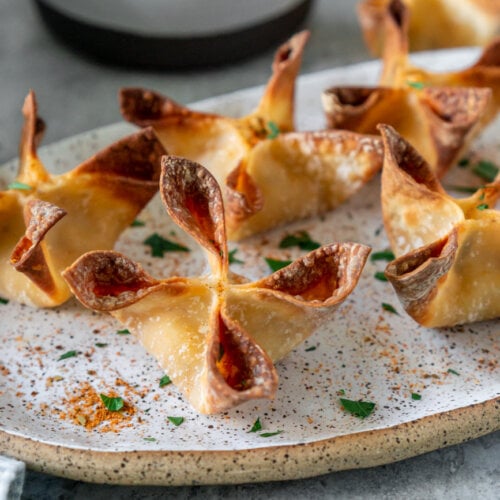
x=438 y=113
x=434 y=24
x=45 y=228
x=398 y=70
x=270 y=174
x=216 y=336
x=447 y=269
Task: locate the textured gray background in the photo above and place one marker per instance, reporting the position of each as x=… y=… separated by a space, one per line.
x=76 y=95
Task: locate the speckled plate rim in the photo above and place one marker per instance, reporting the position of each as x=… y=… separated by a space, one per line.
x=276 y=463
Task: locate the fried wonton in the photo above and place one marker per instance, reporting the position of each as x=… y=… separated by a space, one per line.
x=216 y=335
x=438 y=113
x=269 y=173
x=398 y=71
x=47 y=221
x=447 y=269
x=433 y=24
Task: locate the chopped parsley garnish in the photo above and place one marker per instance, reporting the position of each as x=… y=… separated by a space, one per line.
x=450 y=370
x=160 y=245
x=341 y=392
x=150 y=439
x=66 y=355
x=4 y=301
x=100 y=344
x=19 y=185
x=382 y=255
x=125 y=331
x=463 y=189
x=483 y=206
x=463 y=162
x=137 y=223
x=388 y=307
x=380 y=276
x=165 y=380
x=486 y=170
x=112 y=404
x=360 y=409
x=270 y=434
x=273 y=129
x=257 y=426
x=416 y=396
x=276 y=265
x=176 y=420
x=233 y=259
x=299 y=239
x=416 y=85
x=312 y=348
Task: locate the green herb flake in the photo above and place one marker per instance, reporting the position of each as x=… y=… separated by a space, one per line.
x=273 y=130
x=463 y=189
x=233 y=259
x=299 y=239
x=176 y=420
x=257 y=426
x=100 y=344
x=416 y=85
x=388 y=307
x=360 y=409
x=66 y=355
x=125 y=331
x=137 y=223
x=483 y=206
x=276 y=265
x=4 y=301
x=416 y=396
x=341 y=392
x=150 y=439
x=379 y=275
x=453 y=372
x=19 y=185
x=165 y=380
x=270 y=434
x=386 y=255
x=112 y=404
x=160 y=245
x=463 y=162
x=486 y=170
x=312 y=348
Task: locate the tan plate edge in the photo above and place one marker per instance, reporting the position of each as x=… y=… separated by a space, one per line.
x=276 y=463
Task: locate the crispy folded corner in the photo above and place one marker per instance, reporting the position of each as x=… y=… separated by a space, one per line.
x=447 y=270
x=216 y=335
x=246 y=155
x=452 y=24
x=439 y=122
x=98 y=199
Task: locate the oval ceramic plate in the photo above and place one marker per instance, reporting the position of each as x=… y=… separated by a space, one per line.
x=431 y=387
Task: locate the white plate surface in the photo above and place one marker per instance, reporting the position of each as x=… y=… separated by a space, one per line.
x=366 y=352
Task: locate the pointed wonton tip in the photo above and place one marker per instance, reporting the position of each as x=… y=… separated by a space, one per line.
x=323 y=277
x=145 y=107
x=291 y=50
x=239 y=370
x=400 y=155
x=28 y=256
x=193 y=199
x=108 y=280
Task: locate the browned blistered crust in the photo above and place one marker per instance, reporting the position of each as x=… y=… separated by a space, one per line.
x=432 y=24
x=203 y=330
x=243 y=152
x=99 y=199
x=439 y=113
x=447 y=269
